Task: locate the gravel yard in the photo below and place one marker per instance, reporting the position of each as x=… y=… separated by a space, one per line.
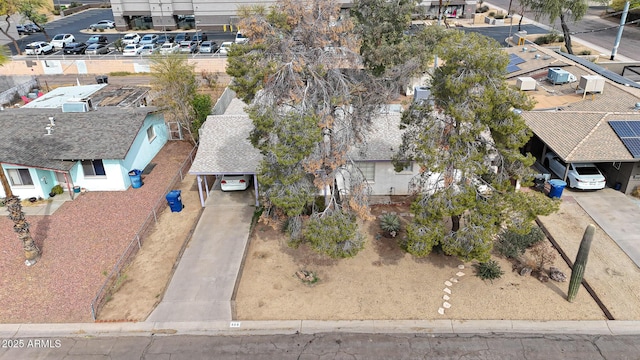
x=80 y=244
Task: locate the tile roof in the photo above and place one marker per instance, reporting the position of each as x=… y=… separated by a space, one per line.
x=106 y=133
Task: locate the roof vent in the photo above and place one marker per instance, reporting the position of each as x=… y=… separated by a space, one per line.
x=52 y=121
x=49 y=129
x=637 y=107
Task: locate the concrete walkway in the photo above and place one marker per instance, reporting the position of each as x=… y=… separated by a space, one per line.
x=617 y=214
x=203 y=283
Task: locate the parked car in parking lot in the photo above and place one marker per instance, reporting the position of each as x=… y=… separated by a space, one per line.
x=224 y=47
x=97 y=49
x=131 y=38
x=149 y=39
x=75 y=48
x=199 y=37
x=208 y=47
x=585 y=176
x=169 y=48
x=103 y=24
x=97 y=39
x=148 y=49
x=60 y=40
x=38 y=48
x=132 y=50
x=182 y=37
x=26 y=29
x=188 y=47
x=235 y=182
x=164 y=38
x=241 y=39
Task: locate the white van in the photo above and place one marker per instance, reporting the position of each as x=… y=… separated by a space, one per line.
x=241 y=39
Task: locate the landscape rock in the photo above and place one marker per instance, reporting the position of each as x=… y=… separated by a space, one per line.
x=556 y=275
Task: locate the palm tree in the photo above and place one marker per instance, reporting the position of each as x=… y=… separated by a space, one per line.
x=14 y=206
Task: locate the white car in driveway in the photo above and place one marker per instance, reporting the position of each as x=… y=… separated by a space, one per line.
x=60 y=40
x=584 y=176
x=235 y=182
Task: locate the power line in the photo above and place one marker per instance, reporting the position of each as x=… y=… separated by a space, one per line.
x=603 y=29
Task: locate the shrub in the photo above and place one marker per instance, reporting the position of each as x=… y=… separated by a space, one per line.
x=101 y=30
x=499 y=16
x=585 y=52
x=74 y=4
x=57 y=190
x=334 y=234
x=543 y=254
x=512 y=244
x=121 y=73
x=390 y=224
x=489 y=270
x=492 y=13
x=482 y=9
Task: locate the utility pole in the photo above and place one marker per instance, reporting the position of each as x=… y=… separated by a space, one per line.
x=623 y=20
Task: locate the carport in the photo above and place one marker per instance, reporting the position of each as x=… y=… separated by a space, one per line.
x=580 y=137
x=224 y=149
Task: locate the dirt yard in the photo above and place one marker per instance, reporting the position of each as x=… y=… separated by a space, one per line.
x=147 y=277
x=383 y=282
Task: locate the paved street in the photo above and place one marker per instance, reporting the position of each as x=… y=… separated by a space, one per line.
x=329 y=346
x=588 y=29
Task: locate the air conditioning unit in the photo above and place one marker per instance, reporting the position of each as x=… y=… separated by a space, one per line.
x=591 y=83
x=559 y=76
x=77 y=105
x=421 y=93
x=526 y=83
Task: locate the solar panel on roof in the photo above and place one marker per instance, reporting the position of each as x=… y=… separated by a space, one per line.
x=512 y=68
x=629 y=134
x=622 y=129
x=635 y=126
x=515 y=59
x=633 y=145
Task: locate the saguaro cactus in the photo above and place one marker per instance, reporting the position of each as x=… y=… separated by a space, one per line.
x=577 y=273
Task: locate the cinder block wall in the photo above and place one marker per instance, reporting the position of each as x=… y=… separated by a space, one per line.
x=44 y=66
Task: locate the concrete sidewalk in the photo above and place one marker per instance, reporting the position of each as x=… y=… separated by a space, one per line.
x=203 y=283
x=617 y=215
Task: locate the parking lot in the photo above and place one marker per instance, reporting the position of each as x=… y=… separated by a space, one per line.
x=78 y=24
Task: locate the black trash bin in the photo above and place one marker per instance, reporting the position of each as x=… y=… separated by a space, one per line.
x=175 y=200
x=102 y=79
x=136 y=178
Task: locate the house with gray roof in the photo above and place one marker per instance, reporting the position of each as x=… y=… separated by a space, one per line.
x=95 y=150
x=225 y=149
x=576 y=122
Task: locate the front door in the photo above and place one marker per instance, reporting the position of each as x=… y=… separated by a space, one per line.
x=63 y=180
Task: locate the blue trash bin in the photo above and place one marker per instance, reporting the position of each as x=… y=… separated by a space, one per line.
x=556 y=188
x=175 y=200
x=136 y=178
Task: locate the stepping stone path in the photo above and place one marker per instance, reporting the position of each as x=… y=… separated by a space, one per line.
x=449 y=283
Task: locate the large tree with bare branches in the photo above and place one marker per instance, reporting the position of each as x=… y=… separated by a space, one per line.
x=467 y=144
x=310 y=102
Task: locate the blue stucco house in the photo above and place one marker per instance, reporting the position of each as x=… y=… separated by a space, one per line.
x=95 y=150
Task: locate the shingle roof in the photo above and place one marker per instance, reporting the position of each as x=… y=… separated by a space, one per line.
x=106 y=133
x=224 y=146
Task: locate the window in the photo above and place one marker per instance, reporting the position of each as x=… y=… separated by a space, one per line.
x=368 y=170
x=151 y=133
x=20 y=177
x=408 y=167
x=93 y=168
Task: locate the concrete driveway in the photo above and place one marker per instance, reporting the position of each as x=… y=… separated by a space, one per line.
x=617 y=214
x=203 y=283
